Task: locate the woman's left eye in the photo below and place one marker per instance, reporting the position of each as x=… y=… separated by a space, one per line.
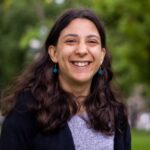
x=93 y=42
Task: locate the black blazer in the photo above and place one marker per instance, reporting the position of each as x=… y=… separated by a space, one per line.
x=20 y=132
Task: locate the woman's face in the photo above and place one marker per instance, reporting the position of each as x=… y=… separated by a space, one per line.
x=78 y=52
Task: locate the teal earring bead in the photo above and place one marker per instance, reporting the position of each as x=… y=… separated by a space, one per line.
x=55 y=69
x=100 y=72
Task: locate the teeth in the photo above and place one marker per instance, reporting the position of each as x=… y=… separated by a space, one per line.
x=81 y=64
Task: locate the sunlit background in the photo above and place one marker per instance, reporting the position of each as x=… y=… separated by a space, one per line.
x=24 y=25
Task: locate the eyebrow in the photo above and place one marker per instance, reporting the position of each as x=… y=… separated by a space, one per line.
x=93 y=35
x=76 y=35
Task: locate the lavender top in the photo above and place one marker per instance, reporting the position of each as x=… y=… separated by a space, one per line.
x=88 y=139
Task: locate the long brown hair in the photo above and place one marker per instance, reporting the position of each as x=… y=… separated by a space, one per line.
x=54 y=106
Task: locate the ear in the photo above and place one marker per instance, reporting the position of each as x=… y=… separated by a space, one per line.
x=52 y=53
x=103 y=52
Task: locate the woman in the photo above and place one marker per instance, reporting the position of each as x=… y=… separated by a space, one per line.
x=64 y=101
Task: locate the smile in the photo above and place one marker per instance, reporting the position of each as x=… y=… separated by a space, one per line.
x=80 y=63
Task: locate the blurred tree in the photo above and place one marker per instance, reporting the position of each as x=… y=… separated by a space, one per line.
x=16 y=17
x=21 y=21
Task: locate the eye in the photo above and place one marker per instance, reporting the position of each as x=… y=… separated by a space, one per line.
x=93 y=42
x=71 y=41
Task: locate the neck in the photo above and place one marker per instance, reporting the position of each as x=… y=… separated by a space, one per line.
x=79 y=90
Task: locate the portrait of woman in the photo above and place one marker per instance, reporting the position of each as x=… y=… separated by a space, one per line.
x=65 y=99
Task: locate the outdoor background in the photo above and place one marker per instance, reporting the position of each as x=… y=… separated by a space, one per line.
x=24 y=25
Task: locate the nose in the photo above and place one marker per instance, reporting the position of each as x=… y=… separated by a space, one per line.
x=81 y=49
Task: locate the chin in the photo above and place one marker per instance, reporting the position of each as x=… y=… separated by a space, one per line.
x=82 y=79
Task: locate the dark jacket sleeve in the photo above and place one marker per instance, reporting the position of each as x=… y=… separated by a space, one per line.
x=122 y=139
x=19 y=127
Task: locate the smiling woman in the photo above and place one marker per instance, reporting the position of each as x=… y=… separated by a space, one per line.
x=64 y=101
x=79 y=56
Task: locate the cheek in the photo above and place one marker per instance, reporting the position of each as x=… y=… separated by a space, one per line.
x=97 y=53
x=65 y=53
x=98 y=57
x=62 y=58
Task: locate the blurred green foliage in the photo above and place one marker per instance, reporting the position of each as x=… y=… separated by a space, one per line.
x=140 y=140
x=127 y=26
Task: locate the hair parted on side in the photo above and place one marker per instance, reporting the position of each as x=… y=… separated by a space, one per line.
x=54 y=106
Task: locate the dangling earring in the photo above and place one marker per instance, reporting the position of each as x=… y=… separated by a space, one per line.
x=55 y=69
x=100 y=72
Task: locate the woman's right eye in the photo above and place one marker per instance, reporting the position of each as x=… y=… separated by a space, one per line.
x=71 y=41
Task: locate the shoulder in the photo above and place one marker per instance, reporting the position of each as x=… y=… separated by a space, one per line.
x=22 y=110
x=24 y=100
x=122 y=131
x=19 y=126
x=21 y=118
x=121 y=117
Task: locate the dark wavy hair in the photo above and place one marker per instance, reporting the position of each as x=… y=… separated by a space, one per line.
x=54 y=106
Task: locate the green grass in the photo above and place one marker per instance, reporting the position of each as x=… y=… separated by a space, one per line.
x=140 y=140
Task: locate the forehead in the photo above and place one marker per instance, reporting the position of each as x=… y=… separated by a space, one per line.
x=80 y=26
